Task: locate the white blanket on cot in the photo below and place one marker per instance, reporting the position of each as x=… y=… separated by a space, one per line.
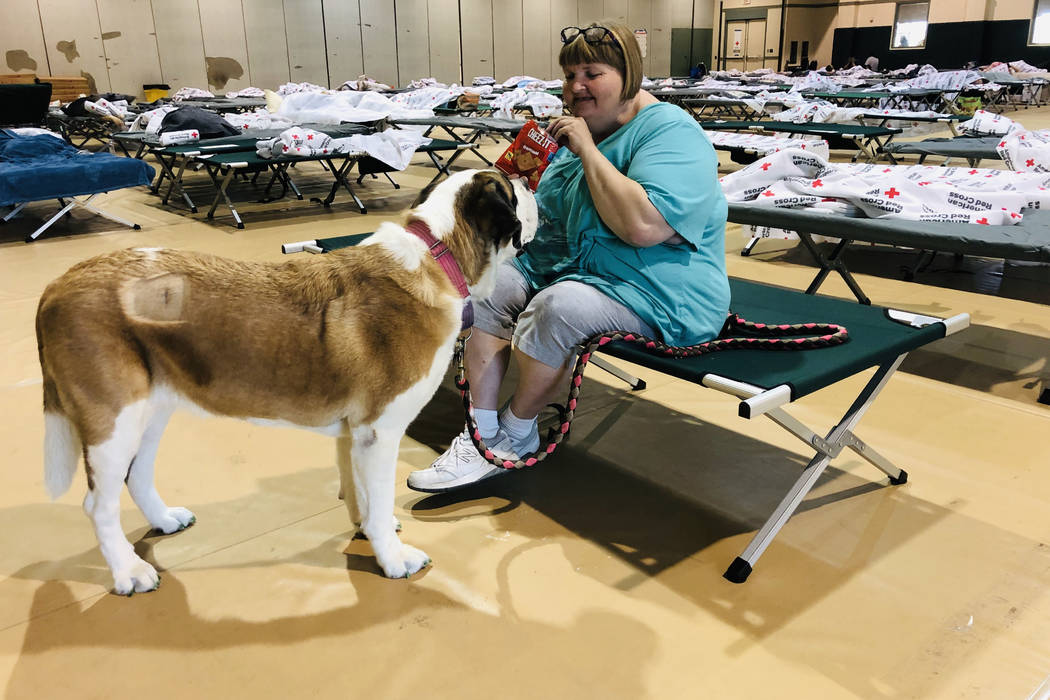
x=1026 y=151
x=344 y=106
x=543 y=104
x=985 y=123
x=792 y=178
x=767 y=144
x=393 y=147
x=259 y=119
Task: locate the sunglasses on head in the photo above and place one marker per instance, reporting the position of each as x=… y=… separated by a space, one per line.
x=592 y=35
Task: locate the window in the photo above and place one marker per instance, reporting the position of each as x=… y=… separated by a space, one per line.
x=1040 y=23
x=909 y=28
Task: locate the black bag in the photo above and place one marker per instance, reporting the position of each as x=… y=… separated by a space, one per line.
x=209 y=124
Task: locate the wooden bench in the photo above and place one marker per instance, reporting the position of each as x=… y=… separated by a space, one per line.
x=65 y=89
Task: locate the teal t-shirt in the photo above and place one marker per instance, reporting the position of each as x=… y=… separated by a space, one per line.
x=680 y=290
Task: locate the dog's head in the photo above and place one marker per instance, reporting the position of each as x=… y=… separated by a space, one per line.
x=483 y=217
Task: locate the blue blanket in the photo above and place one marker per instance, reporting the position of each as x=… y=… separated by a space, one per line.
x=34 y=168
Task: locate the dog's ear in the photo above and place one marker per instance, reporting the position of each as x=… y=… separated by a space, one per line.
x=490 y=207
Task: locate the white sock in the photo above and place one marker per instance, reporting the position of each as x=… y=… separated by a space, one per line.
x=488 y=422
x=520 y=430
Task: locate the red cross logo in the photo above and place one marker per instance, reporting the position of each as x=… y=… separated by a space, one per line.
x=194 y=134
x=324 y=151
x=1014 y=215
x=891 y=192
x=1021 y=137
x=818 y=183
x=285 y=149
x=983 y=221
x=768 y=193
x=309 y=137
x=245 y=127
x=973 y=172
x=765 y=166
x=885 y=170
x=1002 y=143
x=1030 y=162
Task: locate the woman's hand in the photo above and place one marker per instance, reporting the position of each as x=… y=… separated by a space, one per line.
x=571 y=132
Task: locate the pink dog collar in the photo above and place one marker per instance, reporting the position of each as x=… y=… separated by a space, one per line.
x=440 y=252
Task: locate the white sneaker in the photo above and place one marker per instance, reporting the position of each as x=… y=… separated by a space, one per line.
x=462 y=464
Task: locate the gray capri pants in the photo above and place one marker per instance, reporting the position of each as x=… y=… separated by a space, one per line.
x=547 y=325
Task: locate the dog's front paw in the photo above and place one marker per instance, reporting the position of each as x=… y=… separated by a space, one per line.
x=173 y=520
x=410 y=561
x=140 y=577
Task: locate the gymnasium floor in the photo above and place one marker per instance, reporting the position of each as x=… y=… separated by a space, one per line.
x=597 y=574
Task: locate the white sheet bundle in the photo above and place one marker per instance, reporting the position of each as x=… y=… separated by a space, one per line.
x=792 y=178
x=985 y=123
x=393 y=147
x=344 y=106
x=543 y=104
x=1026 y=151
x=259 y=119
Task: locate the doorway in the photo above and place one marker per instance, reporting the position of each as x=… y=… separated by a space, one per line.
x=745 y=44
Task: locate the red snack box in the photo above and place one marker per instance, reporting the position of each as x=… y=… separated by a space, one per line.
x=529 y=155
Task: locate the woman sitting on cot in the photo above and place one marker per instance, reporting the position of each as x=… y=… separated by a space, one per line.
x=631 y=237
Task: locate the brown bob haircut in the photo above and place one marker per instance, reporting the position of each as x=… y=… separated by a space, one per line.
x=623 y=54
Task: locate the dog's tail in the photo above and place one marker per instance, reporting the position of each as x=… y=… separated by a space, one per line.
x=62 y=448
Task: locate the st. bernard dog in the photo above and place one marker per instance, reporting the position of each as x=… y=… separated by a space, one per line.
x=353 y=344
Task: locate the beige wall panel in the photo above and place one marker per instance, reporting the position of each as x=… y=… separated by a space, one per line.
x=180 y=44
x=640 y=16
x=22 y=38
x=307 y=62
x=815 y=25
x=1010 y=9
x=444 y=41
x=266 y=44
x=616 y=9
x=539 y=37
x=773 y=16
x=379 y=42
x=660 y=39
x=225 y=48
x=682 y=13
x=343 y=33
x=477 y=39
x=413 y=40
x=130 y=44
x=73 y=40
x=564 y=13
x=590 y=11
x=878 y=15
x=705 y=15
x=508 y=50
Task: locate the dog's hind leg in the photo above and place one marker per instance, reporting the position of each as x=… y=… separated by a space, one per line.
x=107 y=467
x=374 y=463
x=141 y=484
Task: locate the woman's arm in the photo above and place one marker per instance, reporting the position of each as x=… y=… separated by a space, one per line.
x=622 y=203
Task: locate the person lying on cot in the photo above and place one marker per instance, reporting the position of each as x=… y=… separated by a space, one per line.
x=631 y=237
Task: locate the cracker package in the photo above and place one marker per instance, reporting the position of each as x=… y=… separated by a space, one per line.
x=529 y=155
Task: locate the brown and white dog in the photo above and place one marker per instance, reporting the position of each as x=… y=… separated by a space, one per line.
x=352 y=344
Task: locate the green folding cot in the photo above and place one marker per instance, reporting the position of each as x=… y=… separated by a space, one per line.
x=766 y=381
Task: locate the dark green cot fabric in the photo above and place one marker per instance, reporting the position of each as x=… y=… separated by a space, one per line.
x=874 y=339
x=336 y=242
x=959 y=147
x=1028 y=240
x=807 y=128
x=485 y=124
